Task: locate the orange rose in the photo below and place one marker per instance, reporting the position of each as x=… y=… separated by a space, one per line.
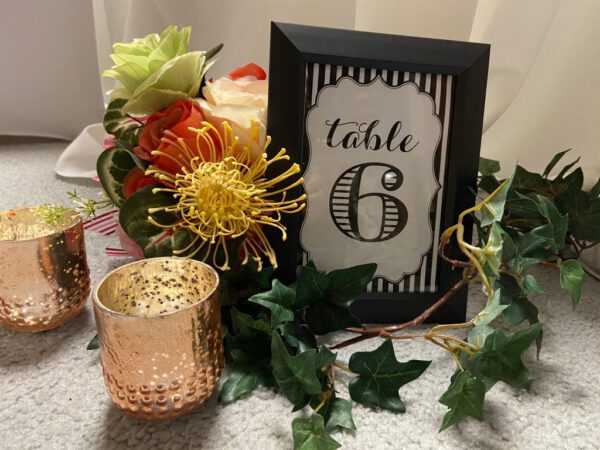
x=136 y=180
x=177 y=119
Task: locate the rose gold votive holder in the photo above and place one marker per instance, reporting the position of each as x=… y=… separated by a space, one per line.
x=159 y=325
x=44 y=276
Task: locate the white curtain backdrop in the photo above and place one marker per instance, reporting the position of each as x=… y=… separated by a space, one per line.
x=542 y=95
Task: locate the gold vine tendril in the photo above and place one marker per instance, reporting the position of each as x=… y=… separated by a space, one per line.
x=225 y=194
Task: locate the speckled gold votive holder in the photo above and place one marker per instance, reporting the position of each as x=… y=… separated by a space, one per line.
x=44 y=276
x=159 y=325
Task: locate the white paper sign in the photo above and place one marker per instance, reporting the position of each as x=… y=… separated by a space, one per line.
x=370 y=179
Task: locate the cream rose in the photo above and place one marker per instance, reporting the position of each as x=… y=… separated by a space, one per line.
x=239 y=102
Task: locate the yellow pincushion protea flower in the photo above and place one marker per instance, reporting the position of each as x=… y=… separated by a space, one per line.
x=225 y=195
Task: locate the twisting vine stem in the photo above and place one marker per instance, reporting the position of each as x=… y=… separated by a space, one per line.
x=471 y=270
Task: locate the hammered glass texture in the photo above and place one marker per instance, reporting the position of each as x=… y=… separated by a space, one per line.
x=159 y=326
x=45 y=280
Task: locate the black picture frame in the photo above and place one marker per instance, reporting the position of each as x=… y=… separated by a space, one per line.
x=293 y=48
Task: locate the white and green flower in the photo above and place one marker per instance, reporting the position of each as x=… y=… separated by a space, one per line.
x=157 y=70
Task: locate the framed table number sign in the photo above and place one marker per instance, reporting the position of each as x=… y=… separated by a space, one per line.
x=387 y=130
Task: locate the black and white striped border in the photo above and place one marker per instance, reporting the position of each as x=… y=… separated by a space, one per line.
x=440 y=89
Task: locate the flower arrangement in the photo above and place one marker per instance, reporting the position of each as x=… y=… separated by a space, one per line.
x=187 y=159
x=187 y=166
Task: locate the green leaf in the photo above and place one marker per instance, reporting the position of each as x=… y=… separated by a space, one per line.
x=120 y=126
x=295 y=375
x=246 y=325
x=330 y=296
x=531 y=248
x=500 y=357
x=479 y=334
x=555 y=159
x=494 y=210
x=337 y=412
x=572 y=277
x=279 y=300
x=154 y=241
x=595 y=191
x=527 y=182
x=583 y=211
x=112 y=166
x=345 y=285
x=531 y=286
x=299 y=336
x=491 y=254
x=325 y=357
x=310 y=285
x=381 y=376
x=488 y=183
x=310 y=434
x=519 y=307
x=524 y=208
x=248 y=275
x=245 y=375
x=488 y=166
x=94 y=344
x=324 y=317
x=492 y=309
x=464 y=397
x=568 y=167
x=560 y=223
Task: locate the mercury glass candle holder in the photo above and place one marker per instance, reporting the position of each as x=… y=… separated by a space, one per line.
x=44 y=276
x=159 y=326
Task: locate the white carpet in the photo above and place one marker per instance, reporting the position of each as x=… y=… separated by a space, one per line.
x=52 y=394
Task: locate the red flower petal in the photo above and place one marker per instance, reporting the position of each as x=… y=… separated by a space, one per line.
x=249 y=70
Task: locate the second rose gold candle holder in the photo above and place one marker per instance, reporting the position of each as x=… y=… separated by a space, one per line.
x=159 y=326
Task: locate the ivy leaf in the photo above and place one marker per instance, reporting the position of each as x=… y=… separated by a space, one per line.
x=524 y=207
x=488 y=166
x=245 y=375
x=494 y=210
x=500 y=357
x=479 y=334
x=560 y=223
x=325 y=357
x=295 y=375
x=519 y=307
x=527 y=182
x=249 y=274
x=112 y=167
x=94 y=344
x=531 y=248
x=310 y=285
x=491 y=254
x=381 y=376
x=488 y=183
x=279 y=300
x=310 y=434
x=583 y=211
x=345 y=285
x=464 y=397
x=299 y=336
x=324 y=316
x=245 y=325
x=531 y=286
x=572 y=277
x=337 y=412
x=492 y=309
